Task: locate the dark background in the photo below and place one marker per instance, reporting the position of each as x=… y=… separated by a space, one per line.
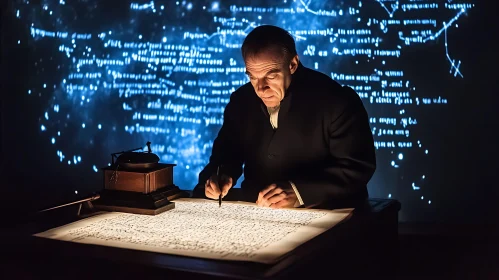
x=465 y=150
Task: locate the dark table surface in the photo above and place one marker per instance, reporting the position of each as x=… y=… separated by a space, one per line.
x=365 y=242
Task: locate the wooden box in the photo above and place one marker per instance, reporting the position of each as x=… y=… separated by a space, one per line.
x=142 y=181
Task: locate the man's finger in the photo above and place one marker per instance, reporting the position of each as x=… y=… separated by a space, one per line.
x=262 y=202
x=278 y=197
x=266 y=202
x=209 y=186
x=210 y=193
x=214 y=183
x=226 y=187
x=215 y=187
x=265 y=191
x=273 y=192
x=281 y=204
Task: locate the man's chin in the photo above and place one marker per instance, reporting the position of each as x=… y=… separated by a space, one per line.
x=270 y=103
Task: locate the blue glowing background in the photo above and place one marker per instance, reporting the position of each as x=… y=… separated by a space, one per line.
x=112 y=75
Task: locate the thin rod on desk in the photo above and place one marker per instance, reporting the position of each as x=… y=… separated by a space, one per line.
x=95 y=197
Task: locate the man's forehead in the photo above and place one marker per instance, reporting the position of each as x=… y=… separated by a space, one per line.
x=264 y=62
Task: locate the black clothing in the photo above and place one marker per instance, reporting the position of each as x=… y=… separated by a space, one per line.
x=323 y=143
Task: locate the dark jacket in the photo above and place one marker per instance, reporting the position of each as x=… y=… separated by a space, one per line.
x=323 y=143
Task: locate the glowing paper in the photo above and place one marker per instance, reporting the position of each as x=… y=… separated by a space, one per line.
x=238 y=231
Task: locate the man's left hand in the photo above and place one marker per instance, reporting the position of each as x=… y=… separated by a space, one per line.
x=277 y=196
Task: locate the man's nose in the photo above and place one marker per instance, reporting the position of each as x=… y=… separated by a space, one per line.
x=262 y=85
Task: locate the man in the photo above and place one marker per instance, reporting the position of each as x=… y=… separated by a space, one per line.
x=302 y=137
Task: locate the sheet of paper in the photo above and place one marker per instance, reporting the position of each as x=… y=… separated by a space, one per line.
x=238 y=231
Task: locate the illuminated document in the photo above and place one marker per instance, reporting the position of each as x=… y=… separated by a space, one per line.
x=237 y=231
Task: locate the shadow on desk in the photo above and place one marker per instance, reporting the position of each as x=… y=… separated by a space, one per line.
x=366 y=245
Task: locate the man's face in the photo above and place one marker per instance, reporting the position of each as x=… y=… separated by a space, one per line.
x=270 y=74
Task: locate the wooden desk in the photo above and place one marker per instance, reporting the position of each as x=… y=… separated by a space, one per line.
x=365 y=245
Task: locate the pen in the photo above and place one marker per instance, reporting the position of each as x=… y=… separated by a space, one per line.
x=218 y=182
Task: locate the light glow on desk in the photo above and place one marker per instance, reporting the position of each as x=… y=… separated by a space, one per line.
x=199 y=228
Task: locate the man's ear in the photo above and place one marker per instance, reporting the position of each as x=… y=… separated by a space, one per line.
x=293 y=64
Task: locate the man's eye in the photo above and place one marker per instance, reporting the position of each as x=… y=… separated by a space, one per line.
x=271 y=76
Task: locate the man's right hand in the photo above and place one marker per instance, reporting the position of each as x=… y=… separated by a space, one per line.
x=212 y=189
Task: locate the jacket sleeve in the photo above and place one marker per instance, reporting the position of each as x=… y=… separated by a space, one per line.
x=352 y=159
x=226 y=151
